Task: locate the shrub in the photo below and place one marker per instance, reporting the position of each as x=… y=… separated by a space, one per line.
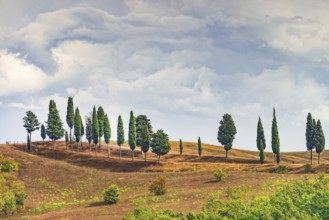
x=111 y=194
x=9 y=166
x=280 y=170
x=9 y=200
x=308 y=168
x=219 y=175
x=158 y=186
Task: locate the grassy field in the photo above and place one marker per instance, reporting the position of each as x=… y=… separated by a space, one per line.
x=64 y=184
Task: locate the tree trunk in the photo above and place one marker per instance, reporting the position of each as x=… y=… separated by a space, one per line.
x=311 y=156
x=274 y=157
x=95 y=149
x=30 y=142
x=144 y=157
x=318 y=158
x=158 y=158
x=70 y=135
x=108 y=150
x=54 y=145
x=120 y=152
x=133 y=155
x=226 y=153
x=81 y=144
x=78 y=146
x=89 y=148
x=66 y=145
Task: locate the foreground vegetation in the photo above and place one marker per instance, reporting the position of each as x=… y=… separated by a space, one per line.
x=304 y=199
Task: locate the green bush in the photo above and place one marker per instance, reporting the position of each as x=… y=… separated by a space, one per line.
x=280 y=170
x=111 y=194
x=9 y=200
x=219 y=175
x=143 y=213
x=158 y=186
x=9 y=166
x=308 y=168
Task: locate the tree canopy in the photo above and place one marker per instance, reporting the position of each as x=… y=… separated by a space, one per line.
x=226 y=132
x=160 y=143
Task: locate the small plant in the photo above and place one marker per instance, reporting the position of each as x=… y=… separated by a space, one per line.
x=158 y=186
x=219 y=175
x=280 y=170
x=111 y=194
x=308 y=168
x=9 y=166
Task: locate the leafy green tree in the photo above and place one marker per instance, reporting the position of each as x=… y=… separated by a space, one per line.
x=321 y=141
x=180 y=147
x=89 y=131
x=31 y=124
x=55 y=129
x=43 y=133
x=66 y=139
x=70 y=115
x=199 y=147
x=226 y=132
x=275 y=139
x=95 y=129
x=120 y=134
x=160 y=143
x=132 y=133
x=145 y=139
x=261 y=153
x=77 y=126
x=100 y=116
x=107 y=133
x=140 y=121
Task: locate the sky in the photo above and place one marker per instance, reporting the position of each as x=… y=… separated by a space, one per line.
x=183 y=63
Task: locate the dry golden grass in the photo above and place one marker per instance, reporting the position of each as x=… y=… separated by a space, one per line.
x=65 y=184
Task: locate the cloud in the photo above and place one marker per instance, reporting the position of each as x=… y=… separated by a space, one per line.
x=18 y=76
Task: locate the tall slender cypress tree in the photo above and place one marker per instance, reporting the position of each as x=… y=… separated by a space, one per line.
x=95 y=129
x=180 y=147
x=145 y=139
x=120 y=134
x=321 y=142
x=89 y=131
x=77 y=127
x=54 y=129
x=43 y=134
x=107 y=133
x=199 y=147
x=100 y=116
x=261 y=153
x=260 y=141
x=140 y=121
x=70 y=115
x=132 y=134
x=310 y=135
x=275 y=139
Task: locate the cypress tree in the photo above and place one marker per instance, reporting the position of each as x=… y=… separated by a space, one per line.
x=132 y=133
x=160 y=143
x=145 y=139
x=180 y=147
x=226 y=132
x=310 y=132
x=95 y=129
x=107 y=133
x=120 y=134
x=70 y=115
x=77 y=126
x=260 y=141
x=31 y=124
x=199 y=147
x=66 y=139
x=43 y=134
x=89 y=131
x=321 y=142
x=275 y=139
x=140 y=121
x=100 y=117
x=54 y=129
x=82 y=131
x=261 y=153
